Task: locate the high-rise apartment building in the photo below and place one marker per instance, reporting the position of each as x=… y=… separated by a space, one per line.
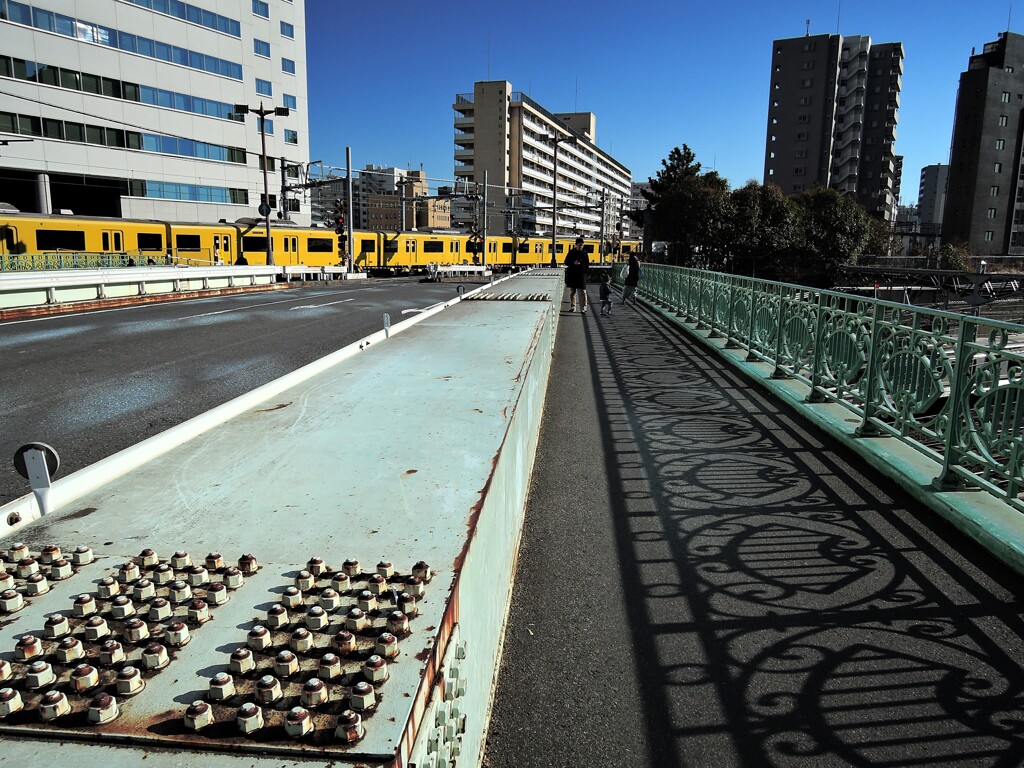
x=931 y=195
x=127 y=107
x=509 y=136
x=832 y=114
x=984 y=199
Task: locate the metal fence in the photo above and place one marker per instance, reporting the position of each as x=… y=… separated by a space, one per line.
x=949 y=385
x=34 y=262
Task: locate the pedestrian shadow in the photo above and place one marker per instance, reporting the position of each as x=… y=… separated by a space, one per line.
x=791 y=608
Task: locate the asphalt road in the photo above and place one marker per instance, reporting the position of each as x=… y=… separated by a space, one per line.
x=94 y=383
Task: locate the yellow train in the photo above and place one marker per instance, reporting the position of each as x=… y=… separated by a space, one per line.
x=35 y=241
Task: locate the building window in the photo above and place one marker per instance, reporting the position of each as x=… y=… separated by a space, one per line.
x=800 y=154
x=802 y=136
x=289 y=101
x=290 y=136
x=997 y=168
x=1000 y=143
x=287 y=65
x=806 y=83
x=1002 y=120
x=261 y=48
x=192 y=14
x=803 y=118
x=261 y=8
x=1005 y=97
x=988 y=235
x=799 y=171
x=287 y=30
x=807 y=65
x=805 y=100
x=264 y=87
x=991 y=213
x=268 y=123
x=993 y=191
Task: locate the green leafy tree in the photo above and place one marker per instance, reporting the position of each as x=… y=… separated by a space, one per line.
x=833 y=229
x=955 y=256
x=763 y=231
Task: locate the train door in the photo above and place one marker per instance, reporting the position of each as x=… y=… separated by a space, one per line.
x=112 y=241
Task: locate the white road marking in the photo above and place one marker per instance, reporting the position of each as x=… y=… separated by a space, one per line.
x=315 y=306
x=247 y=306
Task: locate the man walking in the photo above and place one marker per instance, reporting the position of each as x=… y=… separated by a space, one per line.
x=576 y=266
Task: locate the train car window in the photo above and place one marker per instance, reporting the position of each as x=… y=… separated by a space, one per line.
x=117 y=242
x=187 y=242
x=456 y=246
x=59 y=239
x=368 y=246
x=492 y=247
x=227 y=244
x=151 y=241
x=433 y=246
x=320 y=245
x=287 y=244
x=106 y=241
x=538 y=247
x=559 y=247
x=588 y=247
x=390 y=246
x=506 y=247
x=524 y=247
x=254 y=243
x=295 y=245
x=410 y=246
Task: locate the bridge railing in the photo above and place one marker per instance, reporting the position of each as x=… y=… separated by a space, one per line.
x=949 y=385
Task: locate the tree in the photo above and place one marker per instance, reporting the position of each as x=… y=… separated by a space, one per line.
x=762 y=229
x=833 y=229
x=955 y=256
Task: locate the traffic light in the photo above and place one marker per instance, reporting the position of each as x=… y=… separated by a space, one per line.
x=339 y=218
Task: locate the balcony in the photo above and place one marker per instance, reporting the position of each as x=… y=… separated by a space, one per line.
x=465 y=123
x=464 y=156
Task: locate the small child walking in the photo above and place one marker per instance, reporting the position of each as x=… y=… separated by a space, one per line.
x=606 y=295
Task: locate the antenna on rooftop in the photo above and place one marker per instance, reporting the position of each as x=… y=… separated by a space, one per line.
x=808 y=22
x=839 y=14
x=1009 y=15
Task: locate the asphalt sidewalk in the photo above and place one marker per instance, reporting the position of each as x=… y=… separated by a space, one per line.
x=706 y=580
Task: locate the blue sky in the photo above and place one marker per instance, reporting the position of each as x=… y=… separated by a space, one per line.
x=383 y=76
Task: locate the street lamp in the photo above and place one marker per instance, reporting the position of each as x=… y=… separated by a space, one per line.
x=243 y=109
x=556 y=140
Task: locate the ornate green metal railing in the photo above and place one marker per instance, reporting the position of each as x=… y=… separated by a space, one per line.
x=949 y=385
x=30 y=262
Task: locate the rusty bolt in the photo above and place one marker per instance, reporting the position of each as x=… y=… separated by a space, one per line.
x=286 y=664
x=341 y=581
x=129 y=681
x=96 y=628
x=111 y=653
x=351 y=568
x=356 y=620
x=69 y=649
x=298 y=723
x=301 y=640
x=316 y=618
x=232 y=578
x=85 y=605
x=268 y=689
x=398 y=622
x=249 y=718
x=162 y=574
x=387 y=646
x=17 y=552
x=180 y=560
x=377 y=584
x=198 y=715
x=350 y=727
x=198 y=576
x=414 y=586
x=375 y=669
x=102 y=709
x=305 y=581
x=247 y=564
x=84 y=677
x=28 y=647
x=241 y=661
x=422 y=570
x=56 y=626
x=6 y=671
x=108 y=588
x=277 y=616
x=122 y=607
x=345 y=641
x=367 y=601
x=26 y=567
x=316 y=566
x=214 y=561
x=136 y=630
x=329 y=668
x=409 y=604
x=180 y=592
x=258 y=638
x=177 y=634
x=11 y=601
x=198 y=612
x=36 y=584
x=128 y=572
x=362 y=697
x=291 y=597
x=160 y=609
x=155 y=655
x=39 y=675
x=81 y=556
x=314 y=693
x=217 y=594
x=144 y=590
x=148 y=558
x=54 y=704
x=222 y=686
x=386 y=569
x=49 y=553
x=61 y=569
x=10 y=702
x=6 y=581
x=329 y=599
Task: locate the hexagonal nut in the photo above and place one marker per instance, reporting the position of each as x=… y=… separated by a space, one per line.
x=409 y=605
x=258 y=638
x=36 y=584
x=345 y=642
x=249 y=718
x=362 y=697
x=241 y=661
x=102 y=709
x=122 y=607
x=286 y=664
x=128 y=572
x=54 y=704
x=248 y=564
x=144 y=590
x=198 y=716
x=162 y=574
x=277 y=616
x=136 y=630
x=398 y=623
x=61 y=569
x=356 y=620
x=180 y=592
x=82 y=555
x=317 y=618
x=111 y=653
x=367 y=601
x=129 y=681
x=180 y=560
x=160 y=610
x=49 y=554
x=329 y=599
x=377 y=584
x=301 y=640
x=6 y=671
x=375 y=669
x=84 y=677
x=422 y=571
x=56 y=626
x=414 y=586
x=84 y=606
x=148 y=558
x=6 y=581
x=386 y=646
x=351 y=568
x=39 y=675
x=68 y=650
x=198 y=612
x=10 y=702
x=108 y=588
x=214 y=561
x=305 y=581
x=177 y=634
x=329 y=667
x=155 y=656
x=11 y=601
x=386 y=569
x=350 y=727
x=341 y=582
x=26 y=567
x=232 y=578
x=316 y=566
x=17 y=552
x=27 y=648
x=291 y=597
x=217 y=593
x=268 y=689
x=198 y=576
x=298 y=723
x=96 y=628
x=222 y=686
x=314 y=693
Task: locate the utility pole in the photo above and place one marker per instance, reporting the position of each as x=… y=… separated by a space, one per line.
x=604 y=193
x=243 y=109
x=348 y=219
x=483 y=231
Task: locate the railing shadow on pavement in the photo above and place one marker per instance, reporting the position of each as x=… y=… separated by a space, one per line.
x=786 y=611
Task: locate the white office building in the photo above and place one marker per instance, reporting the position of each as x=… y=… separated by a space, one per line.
x=127 y=107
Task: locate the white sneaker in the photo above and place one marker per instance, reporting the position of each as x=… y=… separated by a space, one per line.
x=584 y=310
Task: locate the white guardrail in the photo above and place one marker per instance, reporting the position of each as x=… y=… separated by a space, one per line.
x=33 y=289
